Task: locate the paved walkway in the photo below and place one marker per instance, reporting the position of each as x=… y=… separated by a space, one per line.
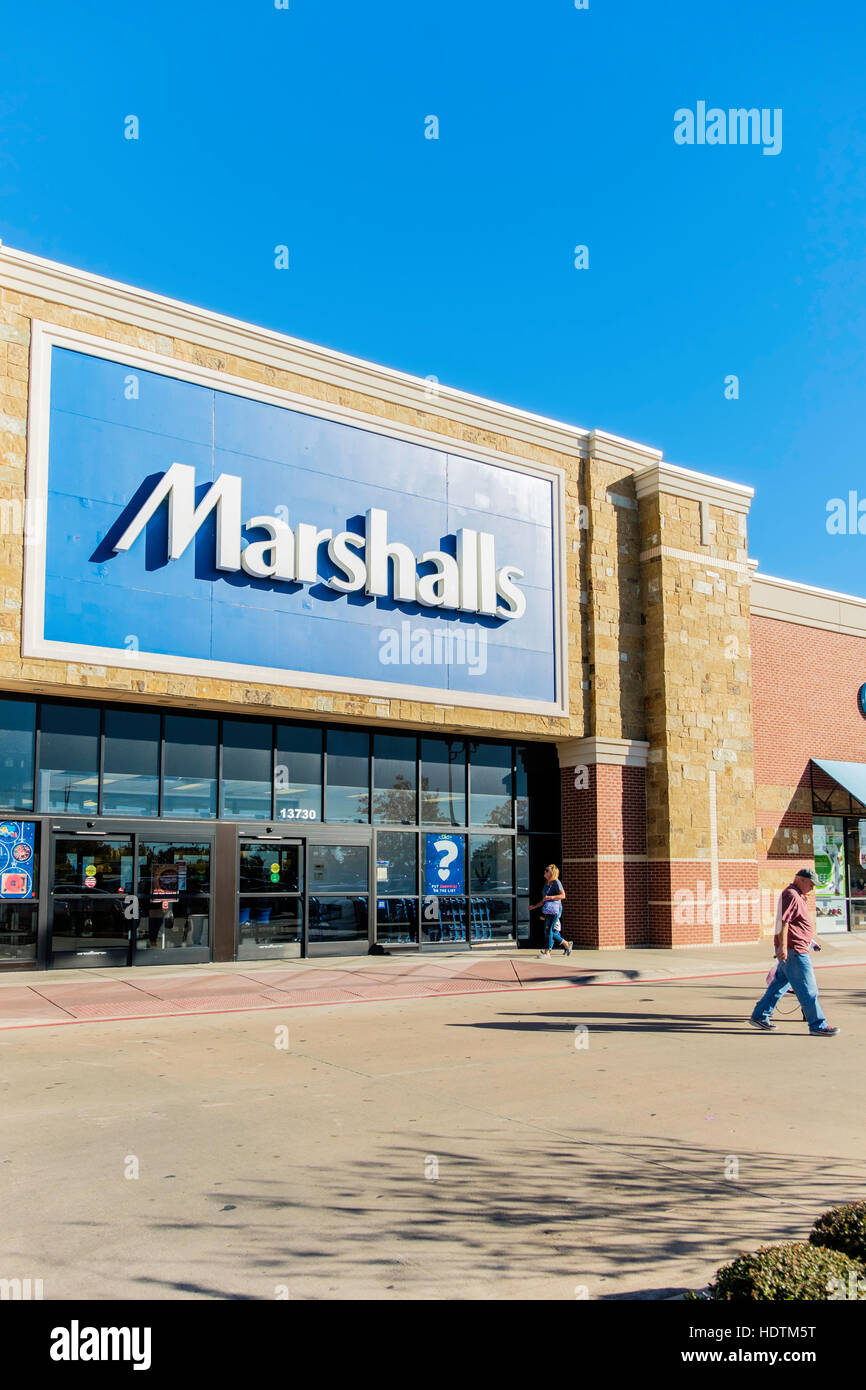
x=47 y=998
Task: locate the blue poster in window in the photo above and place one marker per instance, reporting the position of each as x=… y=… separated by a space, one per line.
x=444 y=871
x=17 y=854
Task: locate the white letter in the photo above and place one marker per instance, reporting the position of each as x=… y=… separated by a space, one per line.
x=185 y=518
x=467 y=560
x=514 y=597
x=352 y=565
x=307 y=542
x=273 y=558
x=442 y=589
x=59 y=1350
x=379 y=551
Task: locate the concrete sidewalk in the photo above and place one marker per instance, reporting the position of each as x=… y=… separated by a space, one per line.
x=47 y=998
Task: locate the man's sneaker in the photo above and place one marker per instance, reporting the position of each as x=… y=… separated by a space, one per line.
x=764 y=1027
x=828 y=1031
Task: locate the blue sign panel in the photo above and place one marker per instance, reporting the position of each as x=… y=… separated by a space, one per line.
x=215 y=533
x=444 y=871
x=17 y=857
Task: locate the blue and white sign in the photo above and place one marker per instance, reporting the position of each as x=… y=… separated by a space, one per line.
x=444 y=873
x=194 y=527
x=17 y=858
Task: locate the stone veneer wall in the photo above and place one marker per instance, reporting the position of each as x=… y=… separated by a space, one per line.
x=698 y=721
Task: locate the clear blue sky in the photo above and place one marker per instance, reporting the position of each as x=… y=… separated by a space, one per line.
x=454 y=257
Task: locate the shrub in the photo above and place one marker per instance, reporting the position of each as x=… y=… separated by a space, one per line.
x=842 y=1228
x=783 y=1273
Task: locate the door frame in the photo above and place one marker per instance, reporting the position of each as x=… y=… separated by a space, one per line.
x=104 y=828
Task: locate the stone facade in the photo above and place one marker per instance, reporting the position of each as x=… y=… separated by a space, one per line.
x=659 y=803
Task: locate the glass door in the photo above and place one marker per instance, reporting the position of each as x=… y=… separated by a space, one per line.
x=338 y=903
x=270 y=912
x=92 y=898
x=174 y=894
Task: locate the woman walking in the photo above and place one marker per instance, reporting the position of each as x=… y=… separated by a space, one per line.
x=551 y=908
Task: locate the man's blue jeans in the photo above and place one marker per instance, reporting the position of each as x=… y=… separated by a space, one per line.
x=795 y=973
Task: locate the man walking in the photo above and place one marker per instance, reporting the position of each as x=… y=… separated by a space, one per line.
x=795 y=931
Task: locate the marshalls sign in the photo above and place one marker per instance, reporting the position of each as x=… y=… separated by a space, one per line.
x=192 y=525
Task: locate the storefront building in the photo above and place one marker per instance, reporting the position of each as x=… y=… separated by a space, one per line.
x=299 y=655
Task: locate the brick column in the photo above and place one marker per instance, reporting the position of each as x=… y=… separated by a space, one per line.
x=604 y=841
x=701 y=871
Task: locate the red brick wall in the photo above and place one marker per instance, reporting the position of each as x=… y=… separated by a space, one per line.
x=606 y=897
x=804 y=699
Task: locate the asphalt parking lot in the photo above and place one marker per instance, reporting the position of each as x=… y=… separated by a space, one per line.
x=586 y=1142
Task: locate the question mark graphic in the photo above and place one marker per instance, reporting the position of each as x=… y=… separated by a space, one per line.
x=448 y=850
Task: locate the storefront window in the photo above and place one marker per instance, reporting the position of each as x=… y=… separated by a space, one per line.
x=396 y=861
x=130 y=775
x=247 y=770
x=443 y=781
x=17 y=737
x=537 y=787
x=190 y=773
x=490 y=782
x=69 y=760
x=298 y=773
x=347 y=794
x=490 y=863
x=831 y=905
x=394 y=779
x=856 y=836
x=19 y=889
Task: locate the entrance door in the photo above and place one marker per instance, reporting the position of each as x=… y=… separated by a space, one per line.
x=174 y=892
x=92 y=897
x=270 y=912
x=338 y=897
x=120 y=897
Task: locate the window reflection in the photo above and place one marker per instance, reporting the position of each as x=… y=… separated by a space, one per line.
x=443 y=781
x=395 y=780
x=69 y=759
x=190 y=775
x=490 y=784
x=17 y=739
x=347 y=794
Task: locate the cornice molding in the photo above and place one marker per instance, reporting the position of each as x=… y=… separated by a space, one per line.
x=26 y=274
x=621 y=752
x=783 y=600
x=697 y=487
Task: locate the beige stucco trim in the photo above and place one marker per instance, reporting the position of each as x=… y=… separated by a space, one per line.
x=789 y=602
x=706 y=562
x=620 y=752
x=698 y=487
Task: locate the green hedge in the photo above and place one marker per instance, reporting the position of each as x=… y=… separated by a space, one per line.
x=842 y=1228
x=781 y=1273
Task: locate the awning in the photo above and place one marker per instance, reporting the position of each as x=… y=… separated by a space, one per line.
x=850 y=776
